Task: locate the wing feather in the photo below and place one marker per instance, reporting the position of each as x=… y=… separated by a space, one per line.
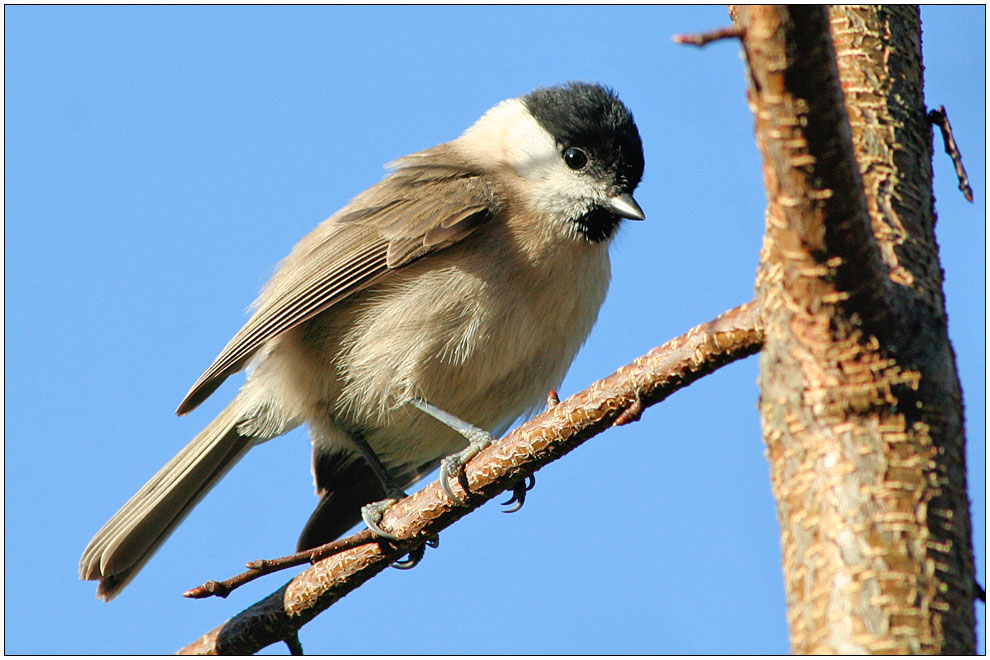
x=432 y=200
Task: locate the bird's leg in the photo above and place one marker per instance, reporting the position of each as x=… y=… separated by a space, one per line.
x=371 y=513
x=453 y=465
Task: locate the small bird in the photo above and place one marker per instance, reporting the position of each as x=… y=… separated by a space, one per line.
x=441 y=303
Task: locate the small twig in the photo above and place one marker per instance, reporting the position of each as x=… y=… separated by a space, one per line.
x=260 y=567
x=941 y=119
x=705 y=38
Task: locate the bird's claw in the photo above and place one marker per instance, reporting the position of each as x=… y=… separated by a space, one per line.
x=453 y=465
x=450 y=468
x=519 y=494
x=416 y=555
x=412 y=559
x=372 y=513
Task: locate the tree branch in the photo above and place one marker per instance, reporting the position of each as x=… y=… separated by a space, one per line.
x=860 y=402
x=615 y=400
x=940 y=118
x=704 y=38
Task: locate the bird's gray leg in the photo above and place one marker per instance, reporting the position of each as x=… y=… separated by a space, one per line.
x=371 y=513
x=452 y=465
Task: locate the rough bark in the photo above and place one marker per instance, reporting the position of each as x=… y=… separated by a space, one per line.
x=860 y=401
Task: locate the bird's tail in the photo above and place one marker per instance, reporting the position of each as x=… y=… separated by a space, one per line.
x=122 y=546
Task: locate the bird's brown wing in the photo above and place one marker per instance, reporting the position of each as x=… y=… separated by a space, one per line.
x=431 y=200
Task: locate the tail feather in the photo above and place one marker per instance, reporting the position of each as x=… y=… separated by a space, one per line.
x=128 y=540
x=345 y=483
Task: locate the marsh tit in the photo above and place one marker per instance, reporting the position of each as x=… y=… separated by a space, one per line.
x=461 y=285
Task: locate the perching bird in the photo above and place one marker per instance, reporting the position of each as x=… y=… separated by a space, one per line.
x=463 y=283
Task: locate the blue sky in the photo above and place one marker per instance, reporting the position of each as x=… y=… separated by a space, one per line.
x=160 y=161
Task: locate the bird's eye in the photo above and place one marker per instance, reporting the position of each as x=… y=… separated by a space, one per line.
x=575 y=158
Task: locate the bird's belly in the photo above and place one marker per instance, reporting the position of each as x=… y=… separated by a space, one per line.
x=484 y=347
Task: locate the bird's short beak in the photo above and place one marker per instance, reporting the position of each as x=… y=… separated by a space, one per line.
x=625 y=206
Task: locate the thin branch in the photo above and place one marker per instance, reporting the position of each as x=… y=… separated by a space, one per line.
x=261 y=567
x=549 y=436
x=705 y=38
x=941 y=119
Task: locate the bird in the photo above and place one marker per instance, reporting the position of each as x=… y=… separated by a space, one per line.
x=439 y=305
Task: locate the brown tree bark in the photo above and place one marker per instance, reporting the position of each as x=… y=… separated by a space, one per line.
x=860 y=401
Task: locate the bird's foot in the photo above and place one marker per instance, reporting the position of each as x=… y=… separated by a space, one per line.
x=372 y=514
x=453 y=465
x=519 y=494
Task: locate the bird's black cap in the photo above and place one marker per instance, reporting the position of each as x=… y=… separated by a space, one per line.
x=592 y=117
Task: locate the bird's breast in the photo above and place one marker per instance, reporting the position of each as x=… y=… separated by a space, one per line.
x=482 y=330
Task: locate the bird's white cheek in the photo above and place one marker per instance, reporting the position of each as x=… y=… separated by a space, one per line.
x=561 y=195
x=553 y=190
x=528 y=147
x=508 y=134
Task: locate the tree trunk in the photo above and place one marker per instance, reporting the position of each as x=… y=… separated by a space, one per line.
x=860 y=400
